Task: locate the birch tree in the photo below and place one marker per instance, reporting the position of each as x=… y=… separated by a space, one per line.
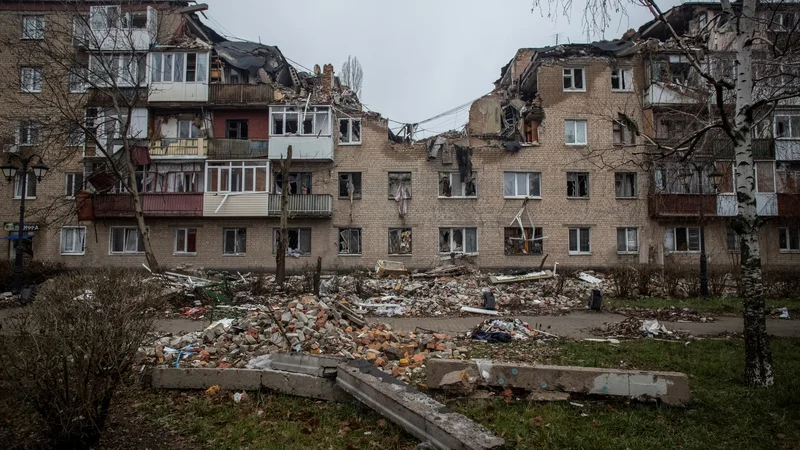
x=754 y=94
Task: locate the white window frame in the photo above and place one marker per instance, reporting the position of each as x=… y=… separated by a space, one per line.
x=78 y=232
x=360 y=241
x=624 y=175
x=569 y=72
x=463 y=186
x=185 y=232
x=31 y=185
x=463 y=237
x=628 y=231
x=578 y=231
x=125 y=230
x=123 y=72
x=620 y=75
x=348 y=140
x=81 y=74
x=236 y=232
x=789 y=242
x=249 y=168
x=527 y=194
x=36 y=30
x=30 y=80
x=792 y=116
x=573 y=123
x=672 y=231
x=69 y=184
x=193 y=130
x=29 y=126
x=577 y=176
x=276 y=235
x=315 y=112
x=159 y=74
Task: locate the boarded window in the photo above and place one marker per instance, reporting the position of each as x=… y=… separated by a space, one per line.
x=531 y=243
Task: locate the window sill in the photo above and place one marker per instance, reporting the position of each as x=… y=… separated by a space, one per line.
x=234 y=255
x=523 y=197
x=574 y=90
x=350 y=255
x=348 y=198
x=622 y=91
x=580 y=253
x=30 y=92
x=522 y=254
x=683 y=252
x=392 y=198
x=73 y=254
x=184 y=254
x=348 y=144
x=530 y=144
x=627 y=253
x=401 y=255
x=126 y=253
x=575 y=144
x=26 y=198
x=578 y=198
x=299 y=135
x=458 y=198
x=790 y=251
x=627 y=198
x=447 y=254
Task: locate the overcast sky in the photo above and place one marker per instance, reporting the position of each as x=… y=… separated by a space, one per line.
x=420 y=57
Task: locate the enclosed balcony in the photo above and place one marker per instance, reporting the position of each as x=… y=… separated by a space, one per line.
x=682 y=205
x=237 y=148
x=178 y=148
x=302 y=206
x=240 y=94
x=160 y=205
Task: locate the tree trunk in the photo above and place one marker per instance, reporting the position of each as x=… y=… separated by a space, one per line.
x=149 y=255
x=758 y=356
x=283 y=242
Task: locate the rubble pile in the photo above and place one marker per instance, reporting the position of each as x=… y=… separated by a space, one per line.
x=497 y=330
x=671 y=314
x=634 y=328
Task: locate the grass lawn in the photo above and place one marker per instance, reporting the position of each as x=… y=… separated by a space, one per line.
x=723 y=414
x=715 y=305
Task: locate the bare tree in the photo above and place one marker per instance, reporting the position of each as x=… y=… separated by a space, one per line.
x=739 y=101
x=352 y=74
x=283 y=242
x=89 y=97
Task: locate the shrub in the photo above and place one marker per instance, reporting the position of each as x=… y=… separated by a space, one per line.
x=69 y=351
x=33 y=272
x=623 y=281
x=718 y=276
x=646 y=275
x=781 y=281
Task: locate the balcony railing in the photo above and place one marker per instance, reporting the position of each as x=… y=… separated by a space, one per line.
x=237 y=148
x=178 y=147
x=762 y=149
x=682 y=205
x=240 y=94
x=315 y=205
x=177 y=204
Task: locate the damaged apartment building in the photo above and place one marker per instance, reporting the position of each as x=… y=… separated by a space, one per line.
x=548 y=168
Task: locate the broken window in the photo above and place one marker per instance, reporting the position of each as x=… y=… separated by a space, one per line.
x=399 y=241
x=31 y=79
x=787 y=125
x=349 y=241
x=622 y=79
x=732 y=239
x=450 y=185
x=575 y=132
x=236 y=129
x=287 y=120
x=186 y=240
x=765 y=176
x=789 y=238
x=126 y=240
x=32 y=27
x=299 y=183
x=234 y=241
x=682 y=239
x=349 y=184
x=350 y=131
x=627 y=240
x=625 y=184
x=299 y=241
x=188 y=130
x=458 y=240
x=521 y=184
x=573 y=79
x=577 y=184
x=623 y=135
x=579 y=241
x=531 y=243
x=398 y=180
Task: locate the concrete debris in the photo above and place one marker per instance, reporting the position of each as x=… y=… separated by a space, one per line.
x=390 y=268
x=490 y=312
x=583 y=276
x=501 y=279
x=635 y=328
x=494 y=330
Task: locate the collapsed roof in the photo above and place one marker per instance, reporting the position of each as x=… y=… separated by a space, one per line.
x=251 y=56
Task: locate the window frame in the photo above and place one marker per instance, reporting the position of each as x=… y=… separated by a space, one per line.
x=302 y=115
x=674 y=232
x=463 y=189
x=620 y=76
x=236 y=240
x=627 y=136
x=178 y=67
x=528 y=185
x=192 y=129
x=791 y=245
x=409 y=186
x=82 y=74
x=139 y=241
x=579 y=231
x=399 y=231
x=350 y=121
x=575 y=122
x=229 y=167
x=623 y=175
x=627 y=250
x=31 y=184
x=35 y=76
x=29 y=126
x=357 y=188
x=571 y=76
x=464 y=240
x=731 y=236
x=536 y=233
x=790 y=115
x=577 y=176
x=83 y=241
x=351 y=230
x=185 y=231
x=70 y=183
x=39 y=32
x=276 y=235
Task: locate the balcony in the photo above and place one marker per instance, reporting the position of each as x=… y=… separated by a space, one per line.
x=173 y=147
x=787 y=149
x=302 y=206
x=661 y=93
x=177 y=204
x=237 y=148
x=763 y=149
x=308 y=148
x=789 y=205
x=682 y=205
x=240 y=94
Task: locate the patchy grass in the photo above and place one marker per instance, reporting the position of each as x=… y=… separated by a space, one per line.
x=715 y=305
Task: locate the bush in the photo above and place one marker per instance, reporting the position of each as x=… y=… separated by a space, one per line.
x=646 y=276
x=718 y=279
x=33 y=272
x=623 y=281
x=781 y=281
x=69 y=351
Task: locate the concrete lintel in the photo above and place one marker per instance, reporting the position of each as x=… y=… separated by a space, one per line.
x=420 y=415
x=670 y=387
x=318 y=366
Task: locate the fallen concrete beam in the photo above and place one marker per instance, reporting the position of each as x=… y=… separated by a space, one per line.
x=298 y=384
x=533 y=276
x=318 y=366
x=670 y=387
x=420 y=415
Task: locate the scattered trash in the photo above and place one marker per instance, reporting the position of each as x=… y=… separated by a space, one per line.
x=501 y=279
x=596 y=300
x=583 y=276
x=479 y=311
x=653 y=328
x=495 y=330
x=783 y=313
x=239 y=397
x=579 y=405
x=607 y=340
x=213 y=390
x=488 y=299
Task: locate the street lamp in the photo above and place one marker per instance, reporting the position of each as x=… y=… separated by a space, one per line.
x=10 y=171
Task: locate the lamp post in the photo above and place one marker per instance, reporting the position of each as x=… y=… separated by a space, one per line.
x=10 y=171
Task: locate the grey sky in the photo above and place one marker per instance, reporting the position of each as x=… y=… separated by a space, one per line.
x=420 y=57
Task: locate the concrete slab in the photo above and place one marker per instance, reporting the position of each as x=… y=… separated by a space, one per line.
x=420 y=415
x=670 y=387
x=229 y=379
x=318 y=366
x=303 y=385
